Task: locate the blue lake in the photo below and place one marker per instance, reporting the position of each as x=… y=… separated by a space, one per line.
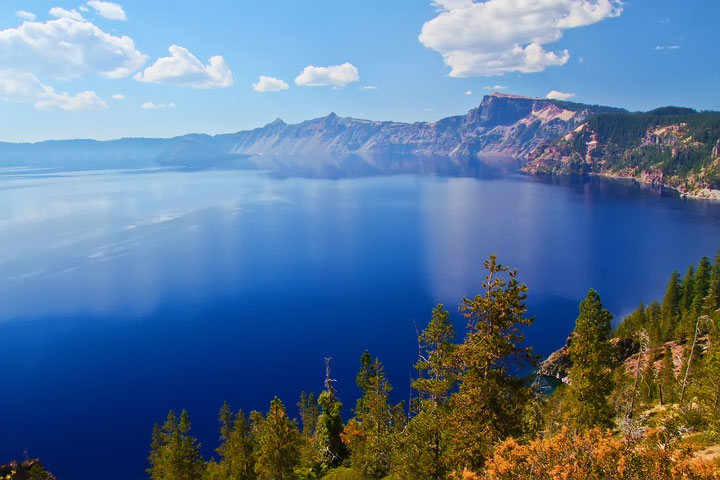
x=126 y=293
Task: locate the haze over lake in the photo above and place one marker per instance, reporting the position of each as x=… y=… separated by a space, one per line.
x=126 y=293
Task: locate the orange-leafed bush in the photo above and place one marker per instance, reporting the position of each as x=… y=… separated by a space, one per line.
x=598 y=455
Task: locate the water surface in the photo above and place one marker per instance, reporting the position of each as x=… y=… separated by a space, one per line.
x=126 y=293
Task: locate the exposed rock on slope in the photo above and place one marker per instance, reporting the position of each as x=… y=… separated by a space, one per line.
x=27 y=470
x=502 y=126
x=676 y=148
x=507 y=126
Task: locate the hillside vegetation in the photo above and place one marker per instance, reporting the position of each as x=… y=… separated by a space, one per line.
x=670 y=146
x=473 y=416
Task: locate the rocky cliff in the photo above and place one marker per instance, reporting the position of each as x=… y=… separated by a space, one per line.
x=26 y=470
x=502 y=126
x=673 y=147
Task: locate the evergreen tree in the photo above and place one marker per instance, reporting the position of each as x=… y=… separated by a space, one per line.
x=330 y=425
x=423 y=446
x=372 y=433
x=278 y=445
x=236 y=447
x=701 y=285
x=653 y=322
x=309 y=412
x=491 y=396
x=591 y=372
x=687 y=321
x=671 y=306
x=174 y=453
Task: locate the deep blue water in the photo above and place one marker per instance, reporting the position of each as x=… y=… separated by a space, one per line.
x=125 y=294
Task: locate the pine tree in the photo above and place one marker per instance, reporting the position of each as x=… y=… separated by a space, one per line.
x=653 y=322
x=309 y=412
x=671 y=306
x=701 y=285
x=236 y=447
x=591 y=372
x=491 y=397
x=174 y=453
x=330 y=425
x=373 y=431
x=278 y=444
x=423 y=446
x=687 y=320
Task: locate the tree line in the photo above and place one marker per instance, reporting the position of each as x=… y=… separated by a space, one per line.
x=476 y=415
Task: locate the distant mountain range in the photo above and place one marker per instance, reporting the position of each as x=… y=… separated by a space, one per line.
x=670 y=146
x=508 y=126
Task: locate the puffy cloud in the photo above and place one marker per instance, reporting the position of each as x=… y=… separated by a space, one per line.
x=368 y=87
x=269 y=84
x=25 y=87
x=154 y=106
x=468 y=92
x=555 y=95
x=338 y=75
x=184 y=69
x=495 y=88
x=26 y=15
x=668 y=47
x=65 y=48
x=118 y=96
x=493 y=37
x=70 y=14
x=109 y=10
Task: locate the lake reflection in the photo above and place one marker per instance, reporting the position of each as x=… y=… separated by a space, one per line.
x=126 y=293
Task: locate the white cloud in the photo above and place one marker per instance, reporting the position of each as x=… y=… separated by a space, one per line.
x=26 y=15
x=69 y=14
x=555 y=95
x=25 y=87
x=184 y=69
x=468 y=92
x=83 y=8
x=368 y=87
x=154 y=106
x=495 y=88
x=118 y=96
x=338 y=75
x=269 y=84
x=66 y=48
x=109 y=10
x=494 y=37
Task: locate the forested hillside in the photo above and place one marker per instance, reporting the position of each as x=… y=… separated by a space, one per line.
x=671 y=146
x=474 y=416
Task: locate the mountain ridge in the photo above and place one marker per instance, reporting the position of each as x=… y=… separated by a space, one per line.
x=503 y=125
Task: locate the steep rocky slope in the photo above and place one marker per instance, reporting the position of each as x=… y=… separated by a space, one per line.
x=673 y=147
x=502 y=126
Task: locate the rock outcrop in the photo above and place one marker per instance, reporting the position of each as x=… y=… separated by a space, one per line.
x=27 y=470
x=678 y=151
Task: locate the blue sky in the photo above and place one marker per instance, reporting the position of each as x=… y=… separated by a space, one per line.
x=70 y=69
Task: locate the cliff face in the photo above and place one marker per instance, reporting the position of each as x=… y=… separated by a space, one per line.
x=27 y=470
x=677 y=151
x=507 y=126
x=502 y=126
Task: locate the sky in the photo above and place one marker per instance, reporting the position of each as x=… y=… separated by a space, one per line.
x=97 y=69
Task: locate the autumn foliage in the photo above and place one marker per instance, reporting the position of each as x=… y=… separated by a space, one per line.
x=598 y=455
